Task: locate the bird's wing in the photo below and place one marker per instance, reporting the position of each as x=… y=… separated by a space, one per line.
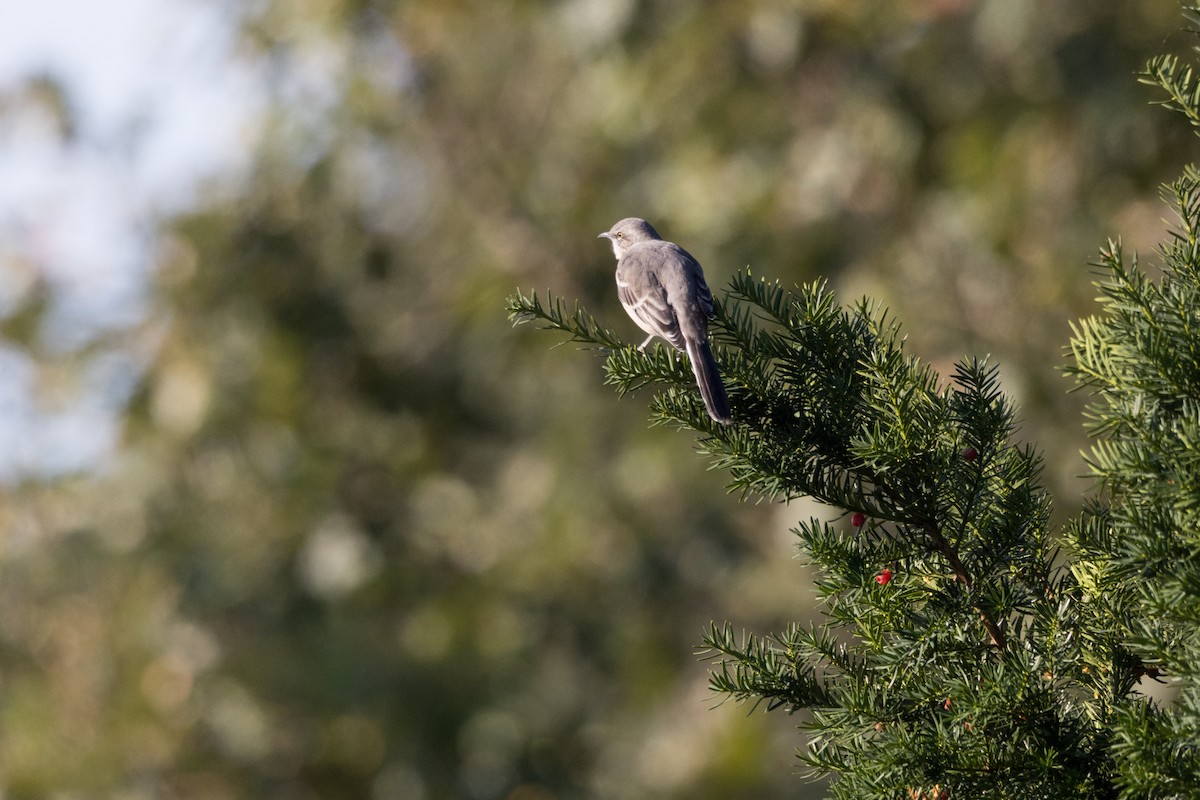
x=704 y=295
x=695 y=276
x=645 y=299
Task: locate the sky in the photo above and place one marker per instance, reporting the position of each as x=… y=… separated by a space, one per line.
x=162 y=106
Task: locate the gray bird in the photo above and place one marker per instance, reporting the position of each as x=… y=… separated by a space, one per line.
x=662 y=287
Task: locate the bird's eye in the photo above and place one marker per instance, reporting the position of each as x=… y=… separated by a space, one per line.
x=620 y=236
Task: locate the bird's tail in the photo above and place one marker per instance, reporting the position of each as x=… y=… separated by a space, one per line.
x=709 y=381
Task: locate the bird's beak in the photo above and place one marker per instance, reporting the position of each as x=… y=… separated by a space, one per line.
x=605 y=235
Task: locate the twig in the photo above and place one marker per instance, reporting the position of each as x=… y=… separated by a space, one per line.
x=999 y=640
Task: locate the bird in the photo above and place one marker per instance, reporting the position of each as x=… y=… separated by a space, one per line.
x=661 y=286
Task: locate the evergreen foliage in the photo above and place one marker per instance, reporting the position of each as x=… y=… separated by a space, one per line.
x=1138 y=544
x=949 y=673
x=960 y=654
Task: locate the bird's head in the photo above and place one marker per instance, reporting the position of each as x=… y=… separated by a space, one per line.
x=628 y=232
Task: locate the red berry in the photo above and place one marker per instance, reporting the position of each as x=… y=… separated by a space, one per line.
x=970 y=454
x=883 y=577
x=857 y=519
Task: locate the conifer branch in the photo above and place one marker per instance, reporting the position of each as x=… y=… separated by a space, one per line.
x=1181 y=83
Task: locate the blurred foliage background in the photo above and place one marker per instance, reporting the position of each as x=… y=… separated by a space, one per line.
x=362 y=539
